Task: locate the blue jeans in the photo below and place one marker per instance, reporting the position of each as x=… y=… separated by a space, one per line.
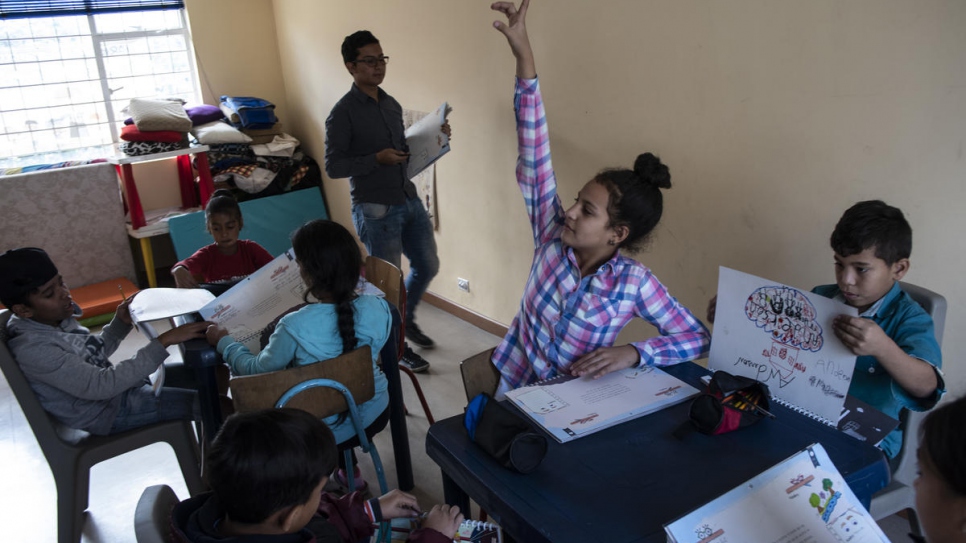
x=140 y=407
x=389 y=231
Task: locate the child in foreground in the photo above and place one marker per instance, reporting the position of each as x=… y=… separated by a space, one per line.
x=941 y=485
x=68 y=367
x=893 y=337
x=228 y=259
x=267 y=469
x=582 y=290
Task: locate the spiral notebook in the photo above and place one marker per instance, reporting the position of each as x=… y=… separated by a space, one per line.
x=803 y=498
x=783 y=337
x=570 y=407
x=470 y=530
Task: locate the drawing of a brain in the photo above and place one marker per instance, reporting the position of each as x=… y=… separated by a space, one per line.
x=787 y=315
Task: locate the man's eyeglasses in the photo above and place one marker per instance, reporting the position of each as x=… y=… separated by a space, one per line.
x=372 y=62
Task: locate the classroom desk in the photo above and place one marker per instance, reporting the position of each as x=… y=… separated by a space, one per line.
x=623 y=483
x=203 y=359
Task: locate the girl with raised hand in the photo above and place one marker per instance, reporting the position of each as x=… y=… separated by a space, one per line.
x=582 y=290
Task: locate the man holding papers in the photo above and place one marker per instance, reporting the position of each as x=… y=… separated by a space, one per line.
x=365 y=141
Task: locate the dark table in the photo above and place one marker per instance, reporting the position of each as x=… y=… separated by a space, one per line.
x=203 y=359
x=624 y=483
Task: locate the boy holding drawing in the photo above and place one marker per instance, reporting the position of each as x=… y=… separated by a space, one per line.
x=898 y=355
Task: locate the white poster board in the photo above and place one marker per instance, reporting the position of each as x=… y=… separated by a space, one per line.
x=783 y=337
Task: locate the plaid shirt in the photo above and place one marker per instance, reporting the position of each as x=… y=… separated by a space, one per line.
x=563 y=315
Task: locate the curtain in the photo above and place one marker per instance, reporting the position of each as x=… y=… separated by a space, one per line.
x=16 y=9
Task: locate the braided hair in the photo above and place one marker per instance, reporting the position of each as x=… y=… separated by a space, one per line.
x=635 y=197
x=330 y=261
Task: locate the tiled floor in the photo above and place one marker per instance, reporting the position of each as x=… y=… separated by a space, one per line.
x=28 y=506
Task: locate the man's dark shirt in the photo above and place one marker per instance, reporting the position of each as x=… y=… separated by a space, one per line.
x=357 y=128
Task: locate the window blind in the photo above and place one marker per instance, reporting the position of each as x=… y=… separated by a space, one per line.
x=18 y=9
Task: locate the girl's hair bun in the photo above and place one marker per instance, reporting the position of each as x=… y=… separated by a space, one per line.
x=223 y=193
x=652 y=171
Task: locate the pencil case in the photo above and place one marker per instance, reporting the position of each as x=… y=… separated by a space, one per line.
x=503 y=434
x=731 y=402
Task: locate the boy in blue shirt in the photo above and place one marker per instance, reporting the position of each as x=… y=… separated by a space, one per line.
x=898 y=355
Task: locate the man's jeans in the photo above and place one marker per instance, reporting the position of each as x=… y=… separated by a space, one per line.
x=391 y=231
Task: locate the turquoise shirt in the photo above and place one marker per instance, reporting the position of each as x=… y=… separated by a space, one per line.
x=908 y=324
x=310 y=335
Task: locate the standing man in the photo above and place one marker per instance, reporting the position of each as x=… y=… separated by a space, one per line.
x=365 y=141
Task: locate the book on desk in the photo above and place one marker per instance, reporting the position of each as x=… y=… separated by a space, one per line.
x=570 y=407
x=803 y=498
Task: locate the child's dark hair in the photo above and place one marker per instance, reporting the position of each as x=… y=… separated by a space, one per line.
x=330 y=260
x=355 y=41
x=873 y=223
x=635 y=197
x=942 y=436
x=22 y=272
x=264 y=461
x=224 y=202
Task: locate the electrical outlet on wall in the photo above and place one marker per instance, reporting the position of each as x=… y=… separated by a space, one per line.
x=463 y=284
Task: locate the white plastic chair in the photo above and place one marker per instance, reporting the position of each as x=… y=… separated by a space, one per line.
x=899 y=495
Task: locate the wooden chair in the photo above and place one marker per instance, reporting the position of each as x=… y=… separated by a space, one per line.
x=72 y=453
x=479 y=374
x=312 y=388
x=899 y=495
x=389 y=279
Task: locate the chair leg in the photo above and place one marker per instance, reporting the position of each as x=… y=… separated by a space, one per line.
x=350 y=472
x=419 y=393
x=72 y=489
x=186 y=450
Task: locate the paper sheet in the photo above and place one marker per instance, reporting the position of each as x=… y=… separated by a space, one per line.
x=782 y=337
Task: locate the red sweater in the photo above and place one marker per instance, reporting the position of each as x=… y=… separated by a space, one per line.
x=208 y=265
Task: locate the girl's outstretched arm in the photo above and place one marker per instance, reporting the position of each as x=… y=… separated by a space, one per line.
x=515 y=30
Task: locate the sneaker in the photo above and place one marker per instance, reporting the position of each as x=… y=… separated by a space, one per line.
x=413 y=361
x=414 y=334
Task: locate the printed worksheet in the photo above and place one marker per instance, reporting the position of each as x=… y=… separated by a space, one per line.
x=804 y=499
x=570 y=407
x=251 y=305
x=427 y=143
x=783 y=337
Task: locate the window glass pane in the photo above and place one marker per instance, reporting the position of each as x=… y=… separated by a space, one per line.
x=52 y=98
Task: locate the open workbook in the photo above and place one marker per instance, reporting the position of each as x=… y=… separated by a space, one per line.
x=470 y=530
x=245 y=309
x=803 y=498
x=570 y=407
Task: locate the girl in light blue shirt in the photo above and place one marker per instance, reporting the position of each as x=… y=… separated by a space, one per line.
x=338 y=322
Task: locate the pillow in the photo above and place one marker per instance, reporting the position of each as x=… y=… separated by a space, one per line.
x=219 y=132
x=131 y=133
x=204 y=114
x=150 y=115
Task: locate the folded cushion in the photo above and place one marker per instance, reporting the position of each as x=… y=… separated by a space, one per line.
x=131 y=133
x=204 y=114
x=159 y=115
x=141 y=148
x=219 y=132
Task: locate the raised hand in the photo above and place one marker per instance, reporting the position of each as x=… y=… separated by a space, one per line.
x=515 y=30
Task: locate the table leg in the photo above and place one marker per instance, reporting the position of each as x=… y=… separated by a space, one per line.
x=454 y=495
x=148 y=255
x=205 y=184
x=397 y=409
x=133 y=199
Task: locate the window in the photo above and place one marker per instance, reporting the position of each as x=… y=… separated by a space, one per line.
x=64 y=80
